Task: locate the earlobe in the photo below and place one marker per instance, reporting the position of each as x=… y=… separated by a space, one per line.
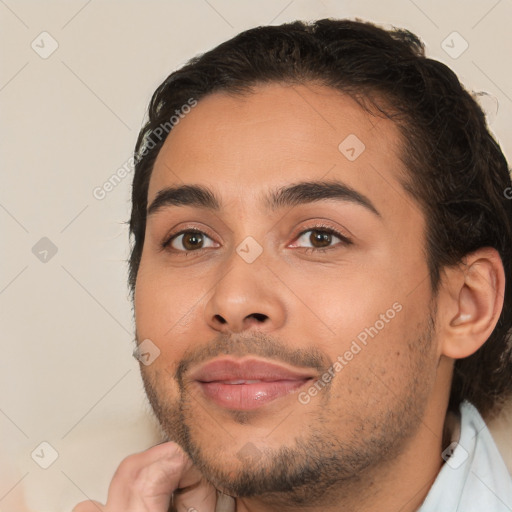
x=475 y=293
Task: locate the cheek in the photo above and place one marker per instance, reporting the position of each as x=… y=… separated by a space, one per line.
x=368 y=316
x=345 y=301
x=166 y=306
x=386 y=302
x=383 y=364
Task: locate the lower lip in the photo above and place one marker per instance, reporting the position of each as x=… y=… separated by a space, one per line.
x=247 y=397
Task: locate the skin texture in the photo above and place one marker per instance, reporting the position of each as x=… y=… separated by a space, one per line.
x=371 y=439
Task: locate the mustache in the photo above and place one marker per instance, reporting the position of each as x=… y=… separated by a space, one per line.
x=256 y=344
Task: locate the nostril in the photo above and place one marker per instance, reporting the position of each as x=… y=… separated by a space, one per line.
x=220 y=319
x=259 y=316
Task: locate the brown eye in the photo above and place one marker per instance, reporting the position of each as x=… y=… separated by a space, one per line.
x=188 y=241
x=192 y=240
x=320 y=238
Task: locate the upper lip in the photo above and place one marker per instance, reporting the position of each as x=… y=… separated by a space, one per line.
x=227 y=369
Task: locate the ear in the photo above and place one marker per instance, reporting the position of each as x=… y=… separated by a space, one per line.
x=470 y=302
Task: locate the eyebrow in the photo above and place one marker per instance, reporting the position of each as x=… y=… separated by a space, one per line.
x=304 y=192
x=185 y=195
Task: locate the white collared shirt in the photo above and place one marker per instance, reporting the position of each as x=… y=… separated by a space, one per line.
x=474 y=477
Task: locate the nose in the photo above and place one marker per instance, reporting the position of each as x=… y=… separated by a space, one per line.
x=246 y=296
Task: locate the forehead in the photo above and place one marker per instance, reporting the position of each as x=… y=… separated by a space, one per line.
x=277 y=135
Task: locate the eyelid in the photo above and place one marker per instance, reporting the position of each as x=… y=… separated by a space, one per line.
x=319 y=226
x=174 y=234
x=345 y=239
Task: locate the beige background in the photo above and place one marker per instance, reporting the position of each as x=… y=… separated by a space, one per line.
x=68 y=122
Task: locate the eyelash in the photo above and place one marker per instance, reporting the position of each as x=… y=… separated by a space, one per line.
x=168 y=241
x=322 y=228
x=307 y=250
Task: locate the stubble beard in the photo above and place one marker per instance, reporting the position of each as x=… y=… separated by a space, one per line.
x=315 y=466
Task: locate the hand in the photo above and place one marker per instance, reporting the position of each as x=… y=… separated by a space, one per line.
x=146 y=481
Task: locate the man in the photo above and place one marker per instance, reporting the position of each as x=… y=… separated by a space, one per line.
x=322 y=241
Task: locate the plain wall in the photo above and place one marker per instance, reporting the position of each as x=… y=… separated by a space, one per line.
x=68 y=122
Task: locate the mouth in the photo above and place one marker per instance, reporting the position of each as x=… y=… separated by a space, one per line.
x=248 y=384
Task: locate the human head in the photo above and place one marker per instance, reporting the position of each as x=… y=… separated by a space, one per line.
x=456 y=172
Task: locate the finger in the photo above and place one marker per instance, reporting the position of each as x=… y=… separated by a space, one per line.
x=145 y=481
x=89 y=506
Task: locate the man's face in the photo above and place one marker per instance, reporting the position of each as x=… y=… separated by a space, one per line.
x=335 y=293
